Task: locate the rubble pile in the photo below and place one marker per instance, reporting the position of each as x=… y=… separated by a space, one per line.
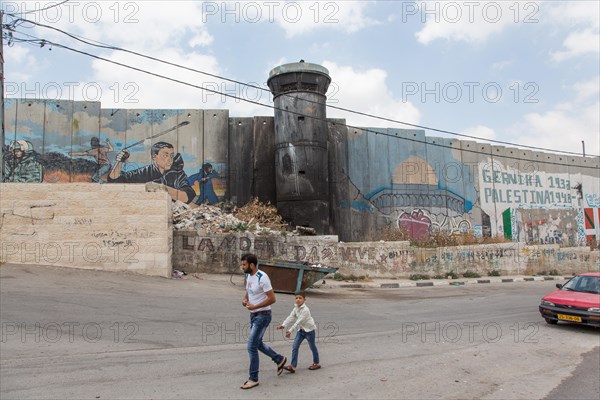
x=264 y=214
x=253 y=217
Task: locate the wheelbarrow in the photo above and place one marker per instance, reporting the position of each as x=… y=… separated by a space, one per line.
x=293 y=277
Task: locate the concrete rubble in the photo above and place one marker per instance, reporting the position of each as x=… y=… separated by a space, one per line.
x=224 y=217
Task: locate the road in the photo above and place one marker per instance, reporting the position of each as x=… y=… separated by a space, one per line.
x=78 y=334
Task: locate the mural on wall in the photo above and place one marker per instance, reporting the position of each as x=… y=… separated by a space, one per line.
x=420 y=223
x=592 y=224
x=65 y=141
x=542 y=226
x=100 y=154
x=414 y=185
x=165 y=168
x=21 y=163
x=205 y=180
x=536 y=206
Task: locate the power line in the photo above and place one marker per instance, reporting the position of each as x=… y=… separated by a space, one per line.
x=41 y=9
x=43 y=42
x=110 y=47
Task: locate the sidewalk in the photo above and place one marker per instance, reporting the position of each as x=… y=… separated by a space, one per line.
x=400 y=283
x=389 y=283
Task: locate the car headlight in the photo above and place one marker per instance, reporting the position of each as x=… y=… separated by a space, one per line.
x=547 y=303
x=594 y=310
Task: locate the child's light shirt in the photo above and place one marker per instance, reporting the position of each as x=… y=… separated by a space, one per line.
x=300 y=318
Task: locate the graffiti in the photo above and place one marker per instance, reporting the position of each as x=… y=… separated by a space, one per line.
x=592 y=224
x=572 y=256
x=416 y=223
x=593 y=200
x=530 y=253
x=452 y=225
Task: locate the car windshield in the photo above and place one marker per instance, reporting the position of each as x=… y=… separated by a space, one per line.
x=586 y=284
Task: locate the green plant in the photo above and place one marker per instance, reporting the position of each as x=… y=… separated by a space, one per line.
x=494 y=272
x=418 y=277
x=338 y=277
x=341 y=277
x=554 y=272
x=452 y=275
x=471 y=274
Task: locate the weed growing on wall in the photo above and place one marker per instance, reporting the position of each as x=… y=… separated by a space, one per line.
x=438 y=238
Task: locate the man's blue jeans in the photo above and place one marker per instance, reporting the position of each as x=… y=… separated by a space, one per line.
x=258 y=326
x=310 y=337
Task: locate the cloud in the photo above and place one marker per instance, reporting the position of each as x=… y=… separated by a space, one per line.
x=585 y=90
x=584 y=16
x=578 y=43
x=471 y=22
x=22 y=56
x=570 y=13
x=144 y=25
x=566 y=124
x=500 y=65
x=301 y=17
x=366 y=91
x=126 y=88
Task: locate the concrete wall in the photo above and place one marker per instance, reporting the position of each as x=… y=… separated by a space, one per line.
x=378 y=178
x=403 y=179
x=118 y=227
x=220 y=253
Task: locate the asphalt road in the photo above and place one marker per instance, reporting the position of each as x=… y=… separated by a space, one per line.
x=77 y=334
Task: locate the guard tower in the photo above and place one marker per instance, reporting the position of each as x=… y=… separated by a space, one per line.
x=301 y=161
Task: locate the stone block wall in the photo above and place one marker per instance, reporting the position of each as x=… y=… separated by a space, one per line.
x=220 y=253
x=116 y=227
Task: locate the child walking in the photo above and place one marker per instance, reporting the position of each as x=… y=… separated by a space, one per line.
x=301 y=321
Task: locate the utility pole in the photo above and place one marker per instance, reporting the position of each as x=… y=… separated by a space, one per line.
x=1 y=96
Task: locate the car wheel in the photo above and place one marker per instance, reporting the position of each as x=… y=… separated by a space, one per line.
x=551 y=321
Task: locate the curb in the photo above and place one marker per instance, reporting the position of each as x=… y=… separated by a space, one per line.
x=398 y=285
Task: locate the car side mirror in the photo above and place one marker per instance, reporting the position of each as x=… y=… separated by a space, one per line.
x=558 y=285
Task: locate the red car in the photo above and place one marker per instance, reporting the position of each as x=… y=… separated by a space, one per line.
x=577 y=301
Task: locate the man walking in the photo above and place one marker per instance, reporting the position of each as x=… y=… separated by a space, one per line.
x=258 y=299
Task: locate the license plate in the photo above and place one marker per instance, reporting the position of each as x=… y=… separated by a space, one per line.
x=569 y=318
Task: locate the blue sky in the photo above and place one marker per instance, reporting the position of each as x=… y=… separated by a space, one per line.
x=517 y=71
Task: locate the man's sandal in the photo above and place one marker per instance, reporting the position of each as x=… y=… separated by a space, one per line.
x=314 y=366
x=289 y=369
x=249 y=384
x=280 y=365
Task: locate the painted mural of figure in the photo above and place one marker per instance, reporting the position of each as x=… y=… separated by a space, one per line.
x=20 y=164
x=166 y=168
x=204 y=177
x=100 y=153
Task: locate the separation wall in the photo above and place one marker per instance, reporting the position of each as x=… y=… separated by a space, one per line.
x=402 y=179
x=119 y=227
x=378 y=178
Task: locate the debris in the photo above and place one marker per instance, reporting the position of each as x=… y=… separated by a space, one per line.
x=306 y=230
x=177 y=274
x=256 y=217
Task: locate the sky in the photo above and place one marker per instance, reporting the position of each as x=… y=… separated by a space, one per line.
x=523 y=72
